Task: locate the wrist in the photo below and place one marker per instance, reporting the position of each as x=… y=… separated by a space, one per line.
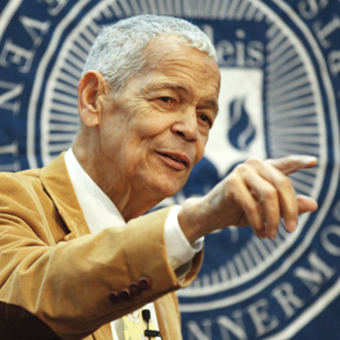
x=191 y=220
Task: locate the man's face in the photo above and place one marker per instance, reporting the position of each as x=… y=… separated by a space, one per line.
x=155 y=130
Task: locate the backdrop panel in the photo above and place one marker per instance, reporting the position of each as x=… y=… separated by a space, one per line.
x=280 y=95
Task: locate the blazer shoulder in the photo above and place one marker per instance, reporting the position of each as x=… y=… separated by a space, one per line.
x=20 y=182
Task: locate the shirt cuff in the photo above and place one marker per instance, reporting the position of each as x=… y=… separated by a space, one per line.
x=178 y=248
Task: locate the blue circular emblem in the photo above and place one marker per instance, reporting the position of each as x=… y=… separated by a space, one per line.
x=280 y=66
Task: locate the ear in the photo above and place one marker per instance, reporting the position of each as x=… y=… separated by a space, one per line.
x=90 y=89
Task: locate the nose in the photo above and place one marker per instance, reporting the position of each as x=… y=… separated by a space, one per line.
x=186 y=126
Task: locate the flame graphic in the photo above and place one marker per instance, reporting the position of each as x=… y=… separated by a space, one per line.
x=241 y=131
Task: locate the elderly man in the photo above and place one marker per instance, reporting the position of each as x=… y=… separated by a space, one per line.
x=75 y=255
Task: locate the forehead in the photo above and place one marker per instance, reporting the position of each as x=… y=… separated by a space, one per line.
x=170 y=57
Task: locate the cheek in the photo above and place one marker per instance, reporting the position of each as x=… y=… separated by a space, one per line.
x=200 y=147
x=152 y=125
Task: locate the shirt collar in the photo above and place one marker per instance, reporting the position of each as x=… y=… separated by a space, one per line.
x=99 y=211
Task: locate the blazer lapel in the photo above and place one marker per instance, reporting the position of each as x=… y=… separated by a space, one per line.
x=57 y=183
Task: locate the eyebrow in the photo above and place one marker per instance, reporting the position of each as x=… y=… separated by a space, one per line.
x=166 y=85
x=209 y=103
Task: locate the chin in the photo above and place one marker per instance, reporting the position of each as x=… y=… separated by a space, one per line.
x=166 y=186
x=169 y=190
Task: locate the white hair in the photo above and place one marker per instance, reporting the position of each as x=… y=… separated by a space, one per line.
x=118 y=51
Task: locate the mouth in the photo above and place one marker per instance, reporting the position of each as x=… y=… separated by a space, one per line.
x=176 y=158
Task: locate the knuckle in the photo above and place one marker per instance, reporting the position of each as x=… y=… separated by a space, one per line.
x=284 y=182
x=254 y=161
x=231 y=180
x=240 y=168
x=244 y=169
x=269 y=193
x=251 y=209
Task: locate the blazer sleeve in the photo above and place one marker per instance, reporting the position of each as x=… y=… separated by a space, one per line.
x=58 y=284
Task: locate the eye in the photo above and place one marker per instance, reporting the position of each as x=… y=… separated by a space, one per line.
x=206 y=119
x=167 y=100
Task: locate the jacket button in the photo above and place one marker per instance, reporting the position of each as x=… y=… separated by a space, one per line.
x=125 y=294
x=134 y=288
x=144 y=283
x=114 y=297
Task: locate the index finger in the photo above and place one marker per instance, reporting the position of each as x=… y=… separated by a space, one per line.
x=293 y=163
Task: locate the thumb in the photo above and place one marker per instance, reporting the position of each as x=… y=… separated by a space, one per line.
x=306 y=204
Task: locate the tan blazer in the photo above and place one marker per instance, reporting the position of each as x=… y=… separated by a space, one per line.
x=59 y=281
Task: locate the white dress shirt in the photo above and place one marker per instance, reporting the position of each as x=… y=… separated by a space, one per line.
x=100 y=213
